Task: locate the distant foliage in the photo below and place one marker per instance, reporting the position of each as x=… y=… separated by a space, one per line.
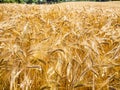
x=43 y=1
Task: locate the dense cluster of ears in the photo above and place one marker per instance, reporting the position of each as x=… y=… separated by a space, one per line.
x=67 y=46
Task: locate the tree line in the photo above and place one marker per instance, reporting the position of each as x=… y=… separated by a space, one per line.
x=42 y=1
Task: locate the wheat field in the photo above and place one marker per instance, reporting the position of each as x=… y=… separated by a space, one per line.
x=66 y=46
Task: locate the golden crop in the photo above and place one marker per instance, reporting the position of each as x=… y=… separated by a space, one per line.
x=67 y=46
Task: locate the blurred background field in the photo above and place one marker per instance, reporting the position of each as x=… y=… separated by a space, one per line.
x=65 y=46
